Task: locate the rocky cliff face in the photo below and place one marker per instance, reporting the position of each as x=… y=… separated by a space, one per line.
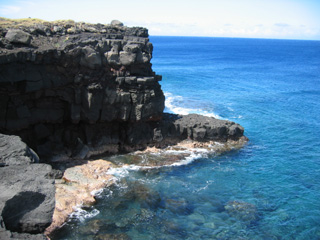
x=74 y=90
x=59 y=79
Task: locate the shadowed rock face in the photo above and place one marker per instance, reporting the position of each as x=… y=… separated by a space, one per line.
x=14 y=211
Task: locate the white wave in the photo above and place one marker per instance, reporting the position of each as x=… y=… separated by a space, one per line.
x=237 y=117
x=188 y=160
x=230 y=109
x=208 y=183
x=96 y=192
x=193 y=154
x=173 y=103
x=82 y=214
x=118 y=172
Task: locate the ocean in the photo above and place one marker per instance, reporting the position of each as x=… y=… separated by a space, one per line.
x=269 y=189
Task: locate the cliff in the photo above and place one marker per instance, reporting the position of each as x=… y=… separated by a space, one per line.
x=65 y=83
x=75 y=90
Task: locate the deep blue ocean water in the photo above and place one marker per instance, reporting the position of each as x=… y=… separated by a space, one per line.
x=270 y=189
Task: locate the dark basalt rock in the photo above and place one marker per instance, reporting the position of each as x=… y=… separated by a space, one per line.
x=27 y=192
x=27 y=197
x=18 y=36
x=200 y=128
x=15 y=152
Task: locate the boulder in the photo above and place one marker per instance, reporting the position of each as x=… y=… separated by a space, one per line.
x=15 y=152
x=127 y=58
x=116 y=23
x=90 y=58
x=29 y=185
x=27 y=191
x=202 y=128
x=18 y=36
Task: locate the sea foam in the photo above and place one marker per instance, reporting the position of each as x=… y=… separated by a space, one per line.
x=173 y=102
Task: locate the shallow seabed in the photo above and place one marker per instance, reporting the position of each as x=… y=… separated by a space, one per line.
x=269 y=189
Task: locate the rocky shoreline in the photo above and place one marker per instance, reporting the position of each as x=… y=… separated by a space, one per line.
x=73 y=92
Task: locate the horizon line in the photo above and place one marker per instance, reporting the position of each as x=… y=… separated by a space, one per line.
x=266 y=38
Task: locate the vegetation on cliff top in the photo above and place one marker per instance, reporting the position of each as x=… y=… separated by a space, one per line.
x=29 y=22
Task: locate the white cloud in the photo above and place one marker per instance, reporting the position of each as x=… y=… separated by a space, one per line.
x=281 y=25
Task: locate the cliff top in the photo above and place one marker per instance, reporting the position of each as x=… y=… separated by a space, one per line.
x=30 y=22
x=33 y=25
x=22 y=31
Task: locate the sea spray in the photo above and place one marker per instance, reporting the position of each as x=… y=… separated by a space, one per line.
x=176 y=104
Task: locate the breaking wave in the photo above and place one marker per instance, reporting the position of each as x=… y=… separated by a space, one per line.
x=173 y=104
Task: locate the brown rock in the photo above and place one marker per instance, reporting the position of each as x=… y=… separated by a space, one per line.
x=77 y=189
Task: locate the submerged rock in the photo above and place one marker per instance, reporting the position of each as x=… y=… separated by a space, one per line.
x=109 y=236
x=93 y=227
x=243 y=211
x=144 y=195
x=178 y=206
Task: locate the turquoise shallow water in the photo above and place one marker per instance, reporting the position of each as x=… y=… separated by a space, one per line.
x=268 y=190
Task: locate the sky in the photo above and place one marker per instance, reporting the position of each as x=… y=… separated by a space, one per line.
x=280 y=19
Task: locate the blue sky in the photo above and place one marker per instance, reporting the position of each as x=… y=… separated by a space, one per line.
x=285 y=19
